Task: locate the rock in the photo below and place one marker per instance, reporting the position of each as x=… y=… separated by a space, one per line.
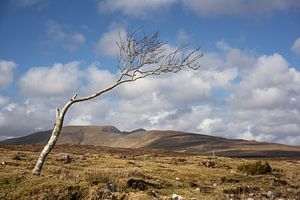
x=139 y=184
x=250 y=198
x=17 y=157
x=111 y=187
x=209 y=163
x=271 y=194
x=3 y=163
x=66 y=159
x=193 y=184
x=154 y=193
x=177 y=197
x=177 y=178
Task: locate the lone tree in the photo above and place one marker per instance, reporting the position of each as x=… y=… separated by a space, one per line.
x=138 y=58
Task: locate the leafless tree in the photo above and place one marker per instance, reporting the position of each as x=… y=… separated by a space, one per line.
x=139 y=57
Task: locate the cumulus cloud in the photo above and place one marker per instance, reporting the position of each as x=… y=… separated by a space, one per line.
x=267 y=99
x=107 y=45
x=215 y=8
x=134 y=7
x=3 y=100
x=263 y=105
x=204 y=8
x=32 y=115
x=58 y=35
x=296 y=46
x=6 y=73
x=56 y=80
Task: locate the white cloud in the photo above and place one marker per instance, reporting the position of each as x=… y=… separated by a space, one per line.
x=3 y=100
x=208 y=125
x=296 y=46
x=55 y=80
x=215 y=8
x=267 y=98
x=29 y=115
x=135 y=8
x=6 y=73
x=263 y=105
x=205 y=8
x=107 y=45
x=58 y=35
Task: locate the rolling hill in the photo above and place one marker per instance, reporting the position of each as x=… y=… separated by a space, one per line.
x=110 y=136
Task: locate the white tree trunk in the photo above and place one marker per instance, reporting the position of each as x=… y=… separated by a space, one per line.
x=138 y=58
x=54 y=136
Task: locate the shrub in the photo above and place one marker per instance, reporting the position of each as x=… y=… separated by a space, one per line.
x=255 y=168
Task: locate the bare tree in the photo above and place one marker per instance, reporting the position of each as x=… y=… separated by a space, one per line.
x=138 y=58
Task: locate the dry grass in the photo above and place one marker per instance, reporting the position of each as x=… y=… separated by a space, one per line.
x=138 y=174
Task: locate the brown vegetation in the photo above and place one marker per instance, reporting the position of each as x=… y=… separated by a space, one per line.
x=113 y=173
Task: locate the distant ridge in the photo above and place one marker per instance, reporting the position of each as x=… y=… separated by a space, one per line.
x=110 y=136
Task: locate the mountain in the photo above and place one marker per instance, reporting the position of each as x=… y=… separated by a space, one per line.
x=110 y=136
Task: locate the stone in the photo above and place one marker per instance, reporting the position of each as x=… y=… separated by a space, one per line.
x=271 y=194
x=66 y=159
x=177 y=197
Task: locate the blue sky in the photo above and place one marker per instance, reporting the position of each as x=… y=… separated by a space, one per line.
x=250 y=67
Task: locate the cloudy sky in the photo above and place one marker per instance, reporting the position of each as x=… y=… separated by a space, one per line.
x=248 y=85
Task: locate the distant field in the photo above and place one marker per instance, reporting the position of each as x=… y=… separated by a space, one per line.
x=138 y=174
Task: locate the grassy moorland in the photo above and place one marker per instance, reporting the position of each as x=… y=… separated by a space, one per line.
x=115 y=173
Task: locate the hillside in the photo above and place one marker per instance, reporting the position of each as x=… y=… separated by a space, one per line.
x=110 y=136
x=95 y=172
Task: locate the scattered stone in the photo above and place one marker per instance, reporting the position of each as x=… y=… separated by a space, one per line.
x=139 y=184
x=65 y=159
x=271 y=194
x=154 y=193
x=209 y=163
x=177 y=197
x=193 y=184
x=17 y=157
x=111 y=187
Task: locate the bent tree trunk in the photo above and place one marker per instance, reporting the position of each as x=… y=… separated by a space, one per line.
x=54 y=136
x=138 y=59
x=60 y=115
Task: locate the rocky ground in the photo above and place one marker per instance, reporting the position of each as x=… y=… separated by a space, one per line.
x=88 y=172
